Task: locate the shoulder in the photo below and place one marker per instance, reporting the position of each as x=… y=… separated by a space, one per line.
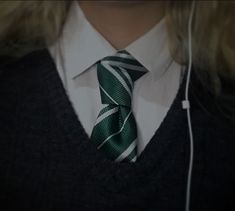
x=21 y=79
x=19 y=73
x=219 y=108
x=13 y=67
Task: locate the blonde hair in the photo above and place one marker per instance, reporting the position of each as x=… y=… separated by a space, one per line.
x=29 y=25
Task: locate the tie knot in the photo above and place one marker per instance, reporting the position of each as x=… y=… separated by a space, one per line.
x=116 y=76
x=124 y=61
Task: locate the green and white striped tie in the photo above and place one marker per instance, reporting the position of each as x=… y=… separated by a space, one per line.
x=115 y=131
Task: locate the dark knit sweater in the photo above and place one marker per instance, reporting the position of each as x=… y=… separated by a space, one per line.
x=48 y=163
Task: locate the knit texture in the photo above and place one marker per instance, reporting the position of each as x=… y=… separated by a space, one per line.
x=47 y=161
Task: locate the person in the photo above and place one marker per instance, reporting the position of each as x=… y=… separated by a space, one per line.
x=91 y=114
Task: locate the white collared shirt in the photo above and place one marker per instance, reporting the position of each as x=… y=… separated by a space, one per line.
x=81 y=46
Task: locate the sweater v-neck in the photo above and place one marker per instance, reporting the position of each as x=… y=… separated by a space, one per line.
x=76 y=135
x=172 y=131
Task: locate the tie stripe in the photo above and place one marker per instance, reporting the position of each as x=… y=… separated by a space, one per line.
x=125 y=65
x=106 y=97
x=115 y=130
x=119 y=76
x=121 y=96
x=127 y=78
x=127 y=152
x=106 y=114
x=112 y=137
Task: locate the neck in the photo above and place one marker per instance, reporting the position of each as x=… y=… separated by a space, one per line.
x=122 y=22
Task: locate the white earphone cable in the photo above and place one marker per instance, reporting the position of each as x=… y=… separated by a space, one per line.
x=186 y=105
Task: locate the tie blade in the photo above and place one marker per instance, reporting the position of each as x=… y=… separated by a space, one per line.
x=116 y=136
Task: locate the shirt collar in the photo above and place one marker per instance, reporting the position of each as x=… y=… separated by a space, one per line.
x=152 y=50
x=83 y=45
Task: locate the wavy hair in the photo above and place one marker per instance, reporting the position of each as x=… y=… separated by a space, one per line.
x=26 y=26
